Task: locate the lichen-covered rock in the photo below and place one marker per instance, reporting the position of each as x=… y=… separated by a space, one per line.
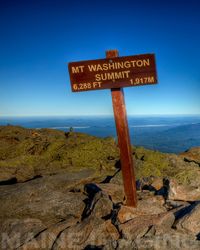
x=124 y=244
x=190 y=223
x=168 y=241
x=90 y=232
x=149 y=206
x=101 y=205
x=192 y=155
x=186 y=173
x=183 y=192
x=114 y=191
x=46 y=200
x=117 y=179
x=46 y=238
x=139 y=226
x=157 y=183
x=16 y=232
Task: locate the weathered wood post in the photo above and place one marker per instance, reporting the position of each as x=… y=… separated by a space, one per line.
x=126 y=159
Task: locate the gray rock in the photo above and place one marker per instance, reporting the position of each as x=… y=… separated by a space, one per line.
x=90 y=232
x=183 y=192
x=171 y=204
x=16 y=232
x=110 y=245
x=98 y=203
x=46 y=238
x=157 y=183
x=9 y=173
x=102 y=205
x=124 y=244
x=192 y=155
x=114 y=191
x=139 y=226
x=168 y=241
x=190 y=223
x=41 y=200
x=117 y=179
x=186 y=173
x=148 y=206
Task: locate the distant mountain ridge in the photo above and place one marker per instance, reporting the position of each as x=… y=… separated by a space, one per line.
x=174 y=140
x=186 y=128
x=166 y=134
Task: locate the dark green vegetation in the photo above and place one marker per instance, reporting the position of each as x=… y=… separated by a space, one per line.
x=27 y=153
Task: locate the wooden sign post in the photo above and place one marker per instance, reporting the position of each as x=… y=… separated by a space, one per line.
x=126 y=159
x=115 y=73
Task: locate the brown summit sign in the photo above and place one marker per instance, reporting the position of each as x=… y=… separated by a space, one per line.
x=113 y=72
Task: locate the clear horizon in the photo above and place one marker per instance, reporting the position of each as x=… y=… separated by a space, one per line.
x=39 y=39
x=97 y=115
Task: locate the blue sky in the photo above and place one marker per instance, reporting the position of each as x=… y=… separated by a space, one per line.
x=38 y=38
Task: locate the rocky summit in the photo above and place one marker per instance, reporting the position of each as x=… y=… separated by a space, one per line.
x=64 y=190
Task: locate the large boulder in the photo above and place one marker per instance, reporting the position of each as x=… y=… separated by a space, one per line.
x=46 y=199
